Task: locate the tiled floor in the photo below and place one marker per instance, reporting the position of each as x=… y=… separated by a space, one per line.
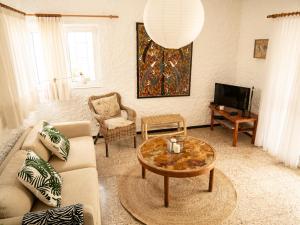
x=268 y=193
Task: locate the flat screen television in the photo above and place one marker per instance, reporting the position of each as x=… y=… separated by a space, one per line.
x=232 y=96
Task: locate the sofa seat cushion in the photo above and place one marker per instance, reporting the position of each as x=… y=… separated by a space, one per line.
x=33 y=143
x=117 y=122
x=81 y=155
x=80 y=186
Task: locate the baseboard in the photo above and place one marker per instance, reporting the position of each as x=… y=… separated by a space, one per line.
x=172 y=129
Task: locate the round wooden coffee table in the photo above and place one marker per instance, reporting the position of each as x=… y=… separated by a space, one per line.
x=196 y=158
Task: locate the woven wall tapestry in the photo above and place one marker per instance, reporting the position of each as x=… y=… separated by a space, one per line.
x=162 y=72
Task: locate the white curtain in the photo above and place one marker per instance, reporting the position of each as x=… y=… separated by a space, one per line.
x=18 y=92
x=57 y=87
x=279 y=117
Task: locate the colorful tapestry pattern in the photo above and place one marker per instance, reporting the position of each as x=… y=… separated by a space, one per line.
x=162 y=72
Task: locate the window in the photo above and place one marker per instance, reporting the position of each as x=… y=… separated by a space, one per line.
x=81 y=55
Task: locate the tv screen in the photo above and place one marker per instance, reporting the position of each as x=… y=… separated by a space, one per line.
x=232 y=96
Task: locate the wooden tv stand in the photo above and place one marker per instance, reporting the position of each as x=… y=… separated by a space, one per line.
x=237 y=123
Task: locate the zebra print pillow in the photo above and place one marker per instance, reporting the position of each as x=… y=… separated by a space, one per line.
x=69 y=215
x=41 y=179
x=55 y=141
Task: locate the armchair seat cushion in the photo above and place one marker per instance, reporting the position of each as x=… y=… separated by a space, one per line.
x=117 y=122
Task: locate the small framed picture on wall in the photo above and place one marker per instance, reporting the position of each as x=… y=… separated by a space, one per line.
x=260 y=48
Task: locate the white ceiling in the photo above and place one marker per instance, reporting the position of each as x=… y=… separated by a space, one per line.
x=86 y=6
x=12 y=3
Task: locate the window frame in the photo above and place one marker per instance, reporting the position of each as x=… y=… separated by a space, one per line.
x=93 y=28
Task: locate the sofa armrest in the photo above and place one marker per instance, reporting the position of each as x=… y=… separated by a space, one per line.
x=74 y=129
x=88 y=216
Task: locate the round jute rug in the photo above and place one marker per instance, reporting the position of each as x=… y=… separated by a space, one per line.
x=190 y=202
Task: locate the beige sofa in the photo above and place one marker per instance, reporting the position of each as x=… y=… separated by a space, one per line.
x=80 y=178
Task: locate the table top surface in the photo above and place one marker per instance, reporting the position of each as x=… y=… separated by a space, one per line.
x=234 y=118
x=167 y=118
x=195 y=157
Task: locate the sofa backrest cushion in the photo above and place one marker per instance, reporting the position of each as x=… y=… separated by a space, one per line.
x=14 y=149
x=15 y=199
x=33 y=143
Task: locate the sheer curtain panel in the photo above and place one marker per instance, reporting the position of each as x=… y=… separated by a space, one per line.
x=58 y=87
x=279 y=122
x=18 y=91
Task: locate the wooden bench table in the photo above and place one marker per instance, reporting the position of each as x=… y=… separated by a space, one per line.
x=163 y=120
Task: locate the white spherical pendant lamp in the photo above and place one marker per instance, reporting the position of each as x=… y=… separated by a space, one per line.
x=173 y=23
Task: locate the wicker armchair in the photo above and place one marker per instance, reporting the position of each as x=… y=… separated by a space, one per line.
x=117 y=133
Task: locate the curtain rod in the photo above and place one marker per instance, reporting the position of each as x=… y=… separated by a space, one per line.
x=72 y=15
x=57 y=15
x=273 y=16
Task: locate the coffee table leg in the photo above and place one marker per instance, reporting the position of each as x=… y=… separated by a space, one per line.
x=211 y=180
x=166 y=187
x=143 y=172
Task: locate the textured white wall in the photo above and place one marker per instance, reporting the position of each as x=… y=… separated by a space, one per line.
x=222 y=53
x=214 y=60
x=255 y=25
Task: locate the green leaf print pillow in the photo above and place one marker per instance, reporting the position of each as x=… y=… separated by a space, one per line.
x=55 y=141
x=41 y=179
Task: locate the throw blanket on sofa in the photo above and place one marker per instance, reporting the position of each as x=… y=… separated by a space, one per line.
x=69 y=215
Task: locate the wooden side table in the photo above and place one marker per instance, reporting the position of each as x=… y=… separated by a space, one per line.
x=160 y=120
x=237 y=123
